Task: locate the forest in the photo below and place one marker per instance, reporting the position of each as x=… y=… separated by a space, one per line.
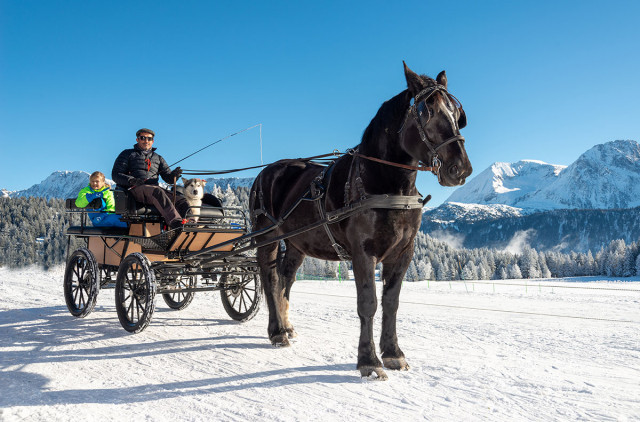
x=32 y=232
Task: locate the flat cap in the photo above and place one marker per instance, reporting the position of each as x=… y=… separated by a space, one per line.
x=145 y=130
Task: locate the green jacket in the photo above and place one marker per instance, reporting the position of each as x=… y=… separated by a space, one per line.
x=108 y=203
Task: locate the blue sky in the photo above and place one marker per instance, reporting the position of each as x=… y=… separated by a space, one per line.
x=542 y=80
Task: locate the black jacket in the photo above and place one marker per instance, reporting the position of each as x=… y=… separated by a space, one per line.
x=139 y=164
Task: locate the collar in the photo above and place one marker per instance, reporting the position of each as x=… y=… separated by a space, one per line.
x=137 y=148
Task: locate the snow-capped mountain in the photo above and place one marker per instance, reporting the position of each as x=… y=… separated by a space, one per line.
x=60 y=184
x=67 y=184
x=607 y=176
x=512 y=184
x=567 y=208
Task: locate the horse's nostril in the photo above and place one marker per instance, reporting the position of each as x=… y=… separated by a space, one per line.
x=453 y=170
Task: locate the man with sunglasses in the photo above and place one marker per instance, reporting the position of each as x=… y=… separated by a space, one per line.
x=138 y=169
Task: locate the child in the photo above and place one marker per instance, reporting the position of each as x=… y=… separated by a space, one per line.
x=99 y=189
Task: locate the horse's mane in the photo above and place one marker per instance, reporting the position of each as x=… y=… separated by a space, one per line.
x=392 y=110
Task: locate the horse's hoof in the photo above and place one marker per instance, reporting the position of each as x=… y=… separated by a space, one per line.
x=280 y=340
x=396 y=364
x=369 y=371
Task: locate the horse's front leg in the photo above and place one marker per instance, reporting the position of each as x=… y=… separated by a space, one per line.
x=364 y=273
x=392 y=274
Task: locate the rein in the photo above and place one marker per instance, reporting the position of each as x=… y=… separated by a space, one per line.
x=433 y=169
x=335 y=153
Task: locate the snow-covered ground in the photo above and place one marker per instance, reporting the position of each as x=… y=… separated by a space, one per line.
x=477 y=352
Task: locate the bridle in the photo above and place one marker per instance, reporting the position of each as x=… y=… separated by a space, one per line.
x=420 y=99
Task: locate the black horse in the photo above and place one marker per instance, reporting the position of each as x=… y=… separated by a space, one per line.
x=373 y=195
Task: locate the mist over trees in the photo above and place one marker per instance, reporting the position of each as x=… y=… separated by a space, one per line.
x=32 y=231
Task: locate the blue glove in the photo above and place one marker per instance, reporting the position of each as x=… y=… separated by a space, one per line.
x=93 y=195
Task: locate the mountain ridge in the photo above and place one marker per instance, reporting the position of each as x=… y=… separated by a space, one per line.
x=64 y=184
x=607 y=176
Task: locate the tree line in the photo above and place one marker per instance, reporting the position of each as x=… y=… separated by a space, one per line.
x=32 y=231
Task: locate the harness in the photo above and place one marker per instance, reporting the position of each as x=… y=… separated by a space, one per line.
x=420 y=100
x=317 y=189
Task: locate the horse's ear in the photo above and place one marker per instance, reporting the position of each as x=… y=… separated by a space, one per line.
x=442 y=79
x=414 y=82
x=462 y=119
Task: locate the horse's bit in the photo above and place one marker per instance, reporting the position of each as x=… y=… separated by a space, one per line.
x=418 y=101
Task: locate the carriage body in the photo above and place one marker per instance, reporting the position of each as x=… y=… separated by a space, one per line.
x=143 y=259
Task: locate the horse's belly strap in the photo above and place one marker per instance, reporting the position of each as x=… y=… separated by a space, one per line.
x=387 y=202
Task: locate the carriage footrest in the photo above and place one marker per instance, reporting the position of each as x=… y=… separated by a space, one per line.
x=157 y=242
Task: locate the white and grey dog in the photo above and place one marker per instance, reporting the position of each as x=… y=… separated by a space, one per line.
x=193 y=193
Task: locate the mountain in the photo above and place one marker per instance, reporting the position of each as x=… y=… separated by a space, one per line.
x=578 y=207
x=67 y=184
x=607 y=176
x=60 y=184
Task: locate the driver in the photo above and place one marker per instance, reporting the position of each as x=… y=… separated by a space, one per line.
x=137 y=170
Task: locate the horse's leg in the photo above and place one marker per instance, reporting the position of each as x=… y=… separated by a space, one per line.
x=290 y=263
x=392 y=274
x=274 y=293
x=364 y=273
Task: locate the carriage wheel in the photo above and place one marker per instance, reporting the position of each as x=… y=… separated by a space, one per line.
x=179 y=300
x=135 y=292
x=81 y=283
x=241 y=294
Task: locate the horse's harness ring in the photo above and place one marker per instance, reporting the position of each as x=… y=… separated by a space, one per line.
x=421 y=99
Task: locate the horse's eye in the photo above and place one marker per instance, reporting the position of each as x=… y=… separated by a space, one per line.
x=422 y=109
x=450 y=106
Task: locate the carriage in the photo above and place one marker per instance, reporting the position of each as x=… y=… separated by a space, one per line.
x=144 y=259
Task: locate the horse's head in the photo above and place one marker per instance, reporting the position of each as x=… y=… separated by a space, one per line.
x=431 y=129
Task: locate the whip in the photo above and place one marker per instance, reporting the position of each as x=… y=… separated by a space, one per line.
x=222 y=139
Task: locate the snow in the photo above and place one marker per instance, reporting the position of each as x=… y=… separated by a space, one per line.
x=481 y=351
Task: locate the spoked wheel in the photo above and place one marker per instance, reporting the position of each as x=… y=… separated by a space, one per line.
x=241 y=294
x=179 y=300
x=135 y=292
x=81 y=283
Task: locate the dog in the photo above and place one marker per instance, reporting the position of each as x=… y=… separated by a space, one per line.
x=193 y=193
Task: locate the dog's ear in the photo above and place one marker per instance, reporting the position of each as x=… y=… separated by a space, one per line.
x=204 y=182
x=184 y=181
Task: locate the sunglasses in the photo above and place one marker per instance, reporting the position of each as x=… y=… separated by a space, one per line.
x=145 y=138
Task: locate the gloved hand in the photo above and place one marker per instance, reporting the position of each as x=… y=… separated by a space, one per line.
x=134 y=181
x=93 y=195
x=176 y=173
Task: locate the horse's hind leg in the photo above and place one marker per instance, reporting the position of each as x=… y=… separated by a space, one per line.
x=290 y=263
x=392 y=274
x=274 y=293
